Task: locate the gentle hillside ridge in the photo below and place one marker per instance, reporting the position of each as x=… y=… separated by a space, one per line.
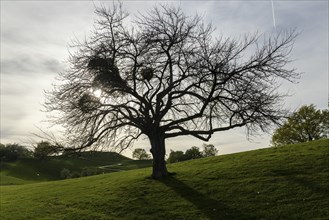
x=288 y=182
x=31 y=170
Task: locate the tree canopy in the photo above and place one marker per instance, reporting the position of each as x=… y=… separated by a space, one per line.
x=166 y=75
x=45 y=149
x=12 y=152
x=209 y=150
x=176 y=156
x=193 y=153
x=306 y=124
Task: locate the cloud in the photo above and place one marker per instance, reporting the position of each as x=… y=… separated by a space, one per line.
x=12 y=117
x=20 y=113
x=30 y=65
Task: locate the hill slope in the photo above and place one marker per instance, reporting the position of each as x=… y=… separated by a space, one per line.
x=288 y=182
x=32 y=170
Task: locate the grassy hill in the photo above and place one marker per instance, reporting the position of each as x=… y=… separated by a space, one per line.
x=288 y=182
x=31 y=170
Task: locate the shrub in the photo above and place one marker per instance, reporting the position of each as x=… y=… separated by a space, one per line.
x=86 y=171
x=75 y=174
x=66 y=174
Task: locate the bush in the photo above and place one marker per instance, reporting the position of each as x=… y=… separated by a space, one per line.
x=75 y=174
x=66 y=174
x=88 y=171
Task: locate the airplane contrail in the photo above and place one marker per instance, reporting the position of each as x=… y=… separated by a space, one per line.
x=273 y=14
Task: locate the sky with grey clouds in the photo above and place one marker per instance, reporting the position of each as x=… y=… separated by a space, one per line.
x=34 y=47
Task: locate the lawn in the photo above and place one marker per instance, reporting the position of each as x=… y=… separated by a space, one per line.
x=289 y=182
x=31 y=170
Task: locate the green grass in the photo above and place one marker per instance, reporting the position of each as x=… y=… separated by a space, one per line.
x=32 y=170
x=288 y=182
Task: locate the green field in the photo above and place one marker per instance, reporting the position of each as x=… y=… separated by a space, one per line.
x=289 y=182
x=31 y=170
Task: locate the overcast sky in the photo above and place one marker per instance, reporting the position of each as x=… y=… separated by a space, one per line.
x=34 y=48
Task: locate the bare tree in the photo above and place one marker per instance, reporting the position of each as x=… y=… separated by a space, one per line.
x=164 y=76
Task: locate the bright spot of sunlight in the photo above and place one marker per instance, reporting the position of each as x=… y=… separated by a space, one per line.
x=97 y=93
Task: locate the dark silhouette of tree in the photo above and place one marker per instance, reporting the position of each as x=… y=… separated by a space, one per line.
x=12 y=152
x=45 y=149
x=140 y=154
x=164 y=76
x=306 y=124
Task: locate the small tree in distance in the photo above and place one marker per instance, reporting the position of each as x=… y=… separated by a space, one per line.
x=193 y=153
x=209 y=150
x=306 y=124
x=166 y=76
x=176 y=156
x=140 y=154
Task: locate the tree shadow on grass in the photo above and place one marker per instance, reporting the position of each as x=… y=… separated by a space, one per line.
x=301 y=178
x=312 y=185
x=211 y=208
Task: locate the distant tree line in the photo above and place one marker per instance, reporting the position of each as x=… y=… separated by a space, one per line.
x=305 y=124
x=13 y=152
x=209 y=150
x=42 y=150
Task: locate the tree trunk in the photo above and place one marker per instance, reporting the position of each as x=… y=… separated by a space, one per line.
x=158 y=151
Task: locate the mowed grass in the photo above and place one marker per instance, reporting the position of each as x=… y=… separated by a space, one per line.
x=289 y=182
x=32 y=170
